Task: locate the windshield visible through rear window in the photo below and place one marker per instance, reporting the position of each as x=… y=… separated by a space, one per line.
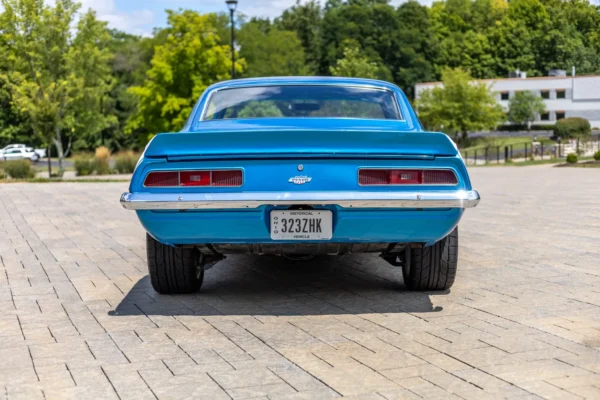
x=302 y=101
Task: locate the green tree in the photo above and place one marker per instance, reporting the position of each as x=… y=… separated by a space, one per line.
x=459 y=106
x=90 y=59
x=513 y=47
x=191 y=58
x=533 y=16
x=55 y=86
x=355 y=65
x=372 y=25
x=524 y=106
x=13 y=124
x=462 y=31
x=269 y=51
x=417 y=49
x=305 y=19
x=132 y=55
x=55 y=72
x=569 y=36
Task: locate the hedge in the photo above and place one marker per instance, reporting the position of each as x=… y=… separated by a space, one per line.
x=572 y=127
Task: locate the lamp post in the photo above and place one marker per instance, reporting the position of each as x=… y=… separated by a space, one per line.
x=232 y=5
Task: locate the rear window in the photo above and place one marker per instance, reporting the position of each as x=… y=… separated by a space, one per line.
x=302 y=101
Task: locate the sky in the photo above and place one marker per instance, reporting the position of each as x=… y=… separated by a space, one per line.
x=140 y=16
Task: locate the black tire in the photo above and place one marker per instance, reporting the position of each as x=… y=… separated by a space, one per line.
x=433 y=267
x=173 y=270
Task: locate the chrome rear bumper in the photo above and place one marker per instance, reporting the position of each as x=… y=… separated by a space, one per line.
x=200 y=201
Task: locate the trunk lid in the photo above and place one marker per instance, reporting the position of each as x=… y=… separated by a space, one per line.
x=290 y=143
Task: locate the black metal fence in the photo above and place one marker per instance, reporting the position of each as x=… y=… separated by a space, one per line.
x=530 y=151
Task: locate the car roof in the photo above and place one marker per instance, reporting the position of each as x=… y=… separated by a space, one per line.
x=303 y=80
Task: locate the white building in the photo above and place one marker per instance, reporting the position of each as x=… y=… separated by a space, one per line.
x=565 y=96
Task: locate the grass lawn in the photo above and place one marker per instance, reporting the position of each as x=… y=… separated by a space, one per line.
x=480 y=143
x=518 y=164
x=585 y=162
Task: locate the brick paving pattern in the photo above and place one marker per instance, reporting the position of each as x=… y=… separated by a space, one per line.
x=79 y=319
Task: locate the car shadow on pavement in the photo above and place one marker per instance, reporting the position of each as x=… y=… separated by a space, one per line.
x=254 y=285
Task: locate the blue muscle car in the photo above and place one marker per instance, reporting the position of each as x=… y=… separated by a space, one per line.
x=299 y=167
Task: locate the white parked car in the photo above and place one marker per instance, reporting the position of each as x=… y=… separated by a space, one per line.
x=20 y=153
x=40 y=152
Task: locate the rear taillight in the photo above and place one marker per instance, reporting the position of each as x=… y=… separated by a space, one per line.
x=220 y=178
x=227 y=178
x=194 y=178
x=439 y=177
x=371 y=177
x=162 y=179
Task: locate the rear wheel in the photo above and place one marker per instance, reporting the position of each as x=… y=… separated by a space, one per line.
x=433 y=267
x=173 y=270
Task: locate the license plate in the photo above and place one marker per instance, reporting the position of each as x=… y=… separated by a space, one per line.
x=301 y=225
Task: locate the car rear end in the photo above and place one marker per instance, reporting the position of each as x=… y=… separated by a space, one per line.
x=338 y=201
x=360 y=176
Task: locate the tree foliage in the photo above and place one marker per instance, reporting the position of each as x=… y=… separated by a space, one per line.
x=57 y=75
x=191 y=58
x=13 y=125
x=65 y=78
x=370 y=25
x=90 y=60
x=131 y=60
x=459 y=106
x=417 y=47
x=269 y=51
x=305 y=19
x=524 y=106
x=354 y=64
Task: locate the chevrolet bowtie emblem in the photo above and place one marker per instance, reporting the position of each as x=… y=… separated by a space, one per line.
x=300 y=180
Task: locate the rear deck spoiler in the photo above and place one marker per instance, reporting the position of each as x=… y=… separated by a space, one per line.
x=286 y=156
x=288 y=143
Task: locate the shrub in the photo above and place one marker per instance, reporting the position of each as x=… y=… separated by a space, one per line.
x=572 y=127
x=125 y=162
x=84 y=164
x=102 y=161
x=19 y=169
x=520 y=127
x=542 y=127
x=597 y=155
x=572 y=158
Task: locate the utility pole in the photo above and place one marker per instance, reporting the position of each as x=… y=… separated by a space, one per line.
x=232 y=5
